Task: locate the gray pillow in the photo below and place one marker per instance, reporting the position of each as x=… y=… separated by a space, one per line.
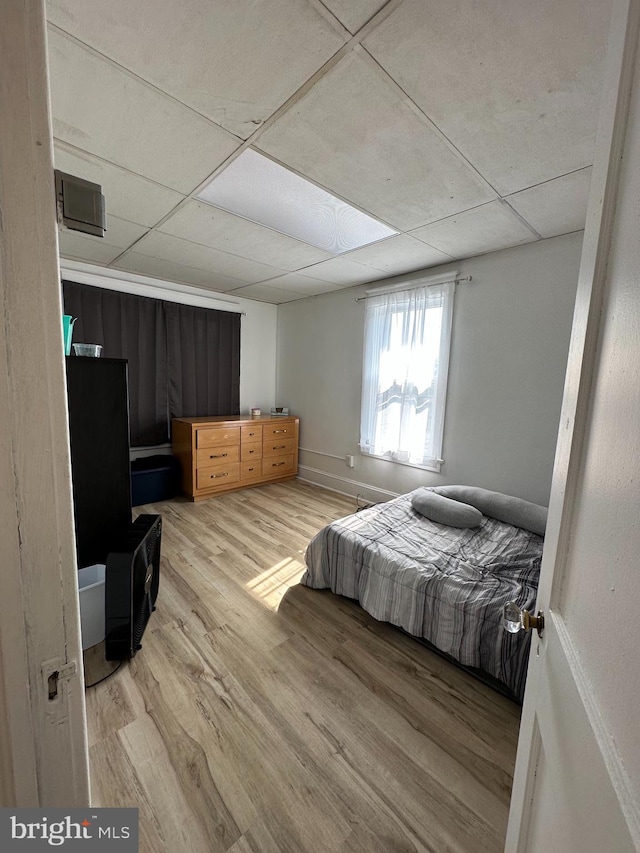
x=505 y=508
x=442 y=510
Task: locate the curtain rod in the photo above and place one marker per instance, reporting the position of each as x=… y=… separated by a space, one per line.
x=400 y=289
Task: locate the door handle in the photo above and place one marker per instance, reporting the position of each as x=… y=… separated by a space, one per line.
x=514 y=619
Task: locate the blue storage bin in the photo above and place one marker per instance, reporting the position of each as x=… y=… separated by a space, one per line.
x=154 y=478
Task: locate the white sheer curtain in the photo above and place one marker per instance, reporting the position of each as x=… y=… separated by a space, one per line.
x=406 y=358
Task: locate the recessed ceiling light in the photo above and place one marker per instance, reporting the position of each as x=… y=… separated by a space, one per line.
x=255 y=187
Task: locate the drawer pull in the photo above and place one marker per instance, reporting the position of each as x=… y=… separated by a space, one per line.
x=252 y=451
x=279 y=447
x=214 y=476
x=218 y=455
x=277 y=464
x=280 y=430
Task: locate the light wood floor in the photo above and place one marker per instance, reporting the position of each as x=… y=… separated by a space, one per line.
x=265 y=717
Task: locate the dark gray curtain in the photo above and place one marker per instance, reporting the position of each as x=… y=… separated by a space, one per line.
x=131 y=327
x=203 y=358
x=183 y=361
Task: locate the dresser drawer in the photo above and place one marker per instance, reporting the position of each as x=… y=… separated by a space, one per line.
x=250 y=471
x=215 y=455
x=217 y=475
x=278 y=446
x=217 y=436
x=277 y=466
x=251 y=433
x=278 y=430
x=251 y=451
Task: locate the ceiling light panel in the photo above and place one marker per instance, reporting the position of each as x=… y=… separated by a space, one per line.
x=256 y=188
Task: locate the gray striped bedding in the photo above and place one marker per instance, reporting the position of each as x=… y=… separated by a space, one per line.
x=444 y=584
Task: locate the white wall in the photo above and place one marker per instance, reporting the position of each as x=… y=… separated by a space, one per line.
x=510 y=341
x=257 y=328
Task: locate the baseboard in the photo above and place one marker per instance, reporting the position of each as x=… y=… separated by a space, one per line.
x=343 y=485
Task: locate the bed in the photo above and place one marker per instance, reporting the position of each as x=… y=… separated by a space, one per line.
x=446 y=585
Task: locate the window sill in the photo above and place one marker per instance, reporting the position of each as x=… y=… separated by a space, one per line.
x=435 y=466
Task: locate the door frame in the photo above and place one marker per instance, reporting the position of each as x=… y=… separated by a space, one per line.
x=620 y=65
x=43 y=741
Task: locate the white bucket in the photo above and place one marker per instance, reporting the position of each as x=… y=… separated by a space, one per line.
x=91 y=588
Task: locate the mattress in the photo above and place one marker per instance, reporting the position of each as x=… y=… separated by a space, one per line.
x=443 y=584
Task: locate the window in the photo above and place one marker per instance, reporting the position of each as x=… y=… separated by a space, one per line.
x=406 y=357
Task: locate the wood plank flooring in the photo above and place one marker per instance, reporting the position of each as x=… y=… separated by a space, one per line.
x=265 y=717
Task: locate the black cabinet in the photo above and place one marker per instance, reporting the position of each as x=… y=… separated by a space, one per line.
x=99 y=435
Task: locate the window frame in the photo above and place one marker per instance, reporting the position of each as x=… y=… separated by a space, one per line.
x=446 y=330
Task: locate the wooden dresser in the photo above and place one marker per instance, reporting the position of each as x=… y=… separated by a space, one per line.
x=225 y=453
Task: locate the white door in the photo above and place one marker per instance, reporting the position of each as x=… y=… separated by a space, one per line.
x=577 y=780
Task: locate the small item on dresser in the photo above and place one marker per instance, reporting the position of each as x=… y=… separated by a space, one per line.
x=91 y=350
x=68 y=323
x=255 y=413
x=280 y=412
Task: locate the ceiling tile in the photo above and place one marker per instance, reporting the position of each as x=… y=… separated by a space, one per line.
x=342 y=271
x=98 y=108
x=354 y=14
x=167 y=271
x=303 y=284
x=514 y=86
x=399 y=254
x=119 y=232
x=83 y=247
x=267 y=293
x=119 y=235
x=202 y=223
x=233 y=62
x=484 y=229
x=557 y=207
x=126 y=195
x=179 y=251
x=356 y=136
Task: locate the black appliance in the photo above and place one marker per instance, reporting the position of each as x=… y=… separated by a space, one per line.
x=132 y=578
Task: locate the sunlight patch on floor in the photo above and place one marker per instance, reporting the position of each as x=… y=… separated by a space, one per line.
x=270 y=586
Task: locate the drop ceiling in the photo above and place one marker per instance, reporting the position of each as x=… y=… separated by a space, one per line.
x=465 y=126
